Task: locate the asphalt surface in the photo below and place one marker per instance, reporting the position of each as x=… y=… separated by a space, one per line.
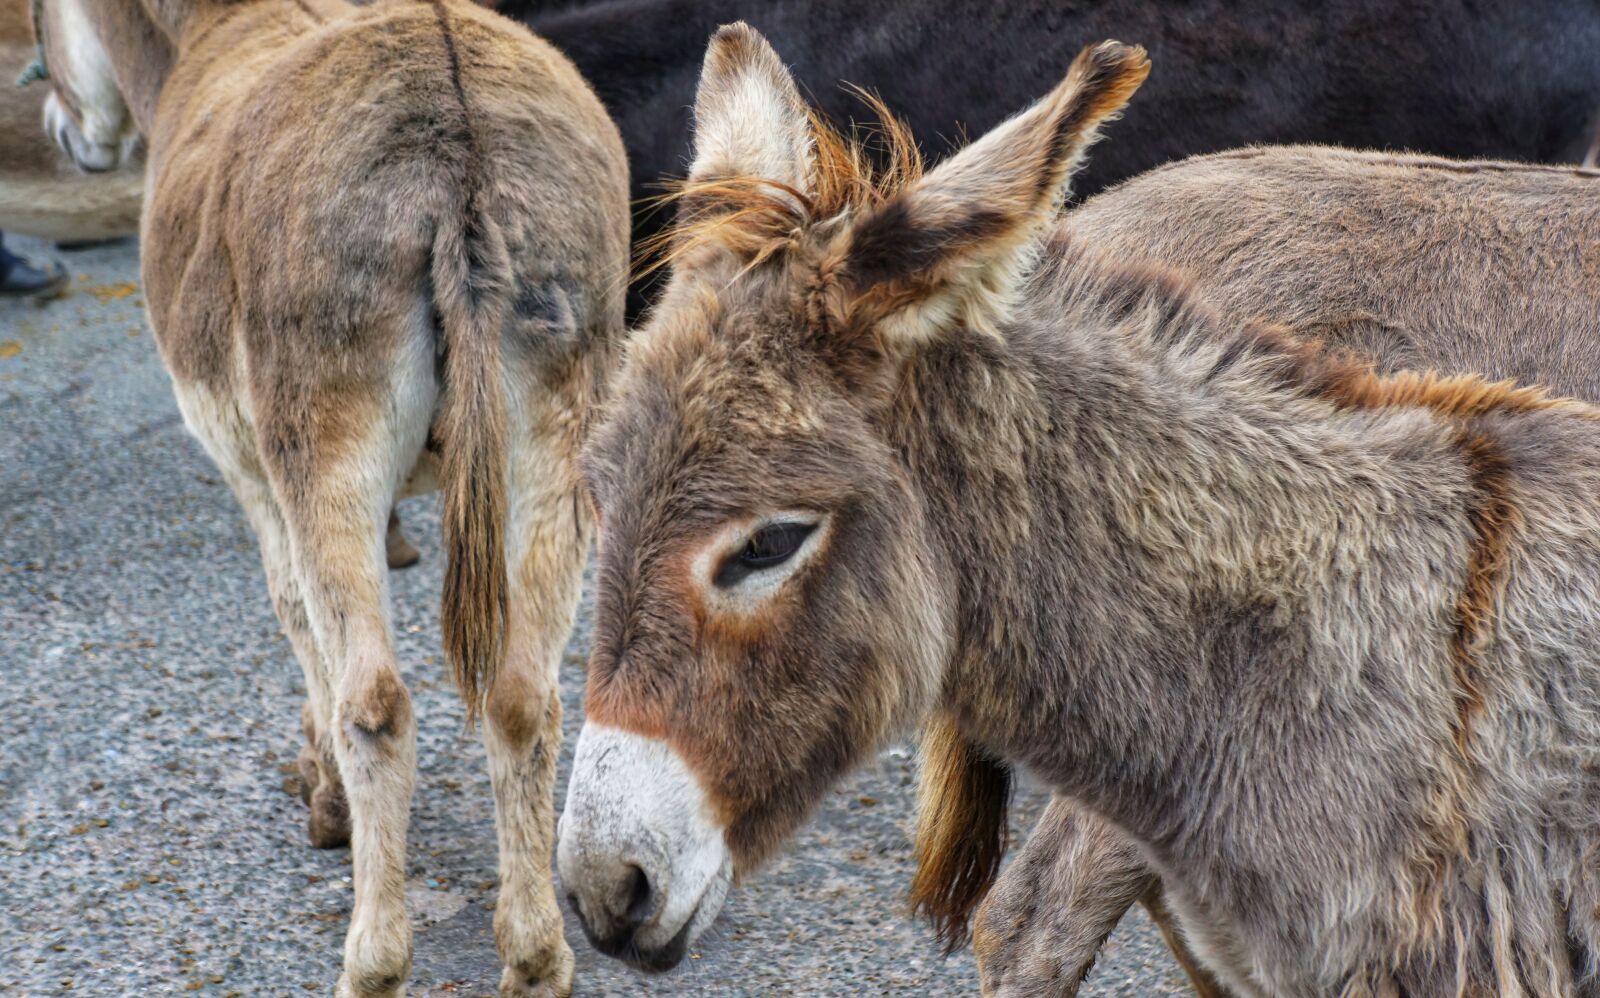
x=150 y=839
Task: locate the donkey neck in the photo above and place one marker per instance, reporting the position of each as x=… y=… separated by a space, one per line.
x=1134 y=497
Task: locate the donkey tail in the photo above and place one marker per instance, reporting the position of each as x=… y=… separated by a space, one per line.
x=961 y=828
x=471 y=286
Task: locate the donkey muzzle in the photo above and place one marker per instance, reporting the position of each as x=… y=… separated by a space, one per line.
x=642 y=859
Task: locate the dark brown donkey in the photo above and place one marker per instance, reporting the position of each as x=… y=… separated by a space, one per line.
x=893 y=449
x=383 y=247
x=1412 y=260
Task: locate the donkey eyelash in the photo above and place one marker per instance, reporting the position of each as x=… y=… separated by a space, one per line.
x=769 y=547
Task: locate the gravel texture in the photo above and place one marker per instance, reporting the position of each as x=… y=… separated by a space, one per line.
x=150 y=841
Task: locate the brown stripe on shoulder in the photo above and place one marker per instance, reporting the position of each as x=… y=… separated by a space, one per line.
x=1494 y=517
x=1350 y=381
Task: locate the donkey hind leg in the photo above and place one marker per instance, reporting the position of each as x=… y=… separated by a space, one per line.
x=336 y=496
x=321 y=787
x=548 y=539
x=400 y=551
x=223 y=429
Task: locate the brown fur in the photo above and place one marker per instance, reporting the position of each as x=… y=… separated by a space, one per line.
x=1410 y=260
x=962 y=833
x=384 y=251
x=1495 y=518
x=1206 y=580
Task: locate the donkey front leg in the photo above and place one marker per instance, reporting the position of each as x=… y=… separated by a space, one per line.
x=548 y=537
x=1042 y=923
x=335 y=496
x=1155 y=902
x=401 y=552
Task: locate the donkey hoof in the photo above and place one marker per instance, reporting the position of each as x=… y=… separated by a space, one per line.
x=400 y=552
x=310 y=775
x=329 y=824
x=371 y=986
x=549 y=978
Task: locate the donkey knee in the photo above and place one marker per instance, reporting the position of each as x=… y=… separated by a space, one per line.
x=375 y=703
x=523 y=711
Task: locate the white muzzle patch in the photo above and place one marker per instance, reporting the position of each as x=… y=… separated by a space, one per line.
x=640 y=854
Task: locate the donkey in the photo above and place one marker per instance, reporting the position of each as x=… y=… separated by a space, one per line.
x=893 y=449
x=1461 y=85
x=1412 y=261
x=384 y=247
x=41 y=192
x=1232 y=71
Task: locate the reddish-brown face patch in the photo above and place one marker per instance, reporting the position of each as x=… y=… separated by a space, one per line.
x=719 y=425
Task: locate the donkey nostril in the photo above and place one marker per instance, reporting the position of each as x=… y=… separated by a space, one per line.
x=640 y=901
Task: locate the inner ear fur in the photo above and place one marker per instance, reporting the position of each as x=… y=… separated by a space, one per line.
x=749 y=118
x=952 y=247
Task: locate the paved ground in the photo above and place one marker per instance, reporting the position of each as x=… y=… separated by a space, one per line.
x=149 y=713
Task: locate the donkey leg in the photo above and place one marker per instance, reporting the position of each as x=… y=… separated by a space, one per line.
x=401 y=553
x=548 y=537
x=1204 y=984
x=336 y=495
x=1041 y=926
x=222 y=427
x=321 y=787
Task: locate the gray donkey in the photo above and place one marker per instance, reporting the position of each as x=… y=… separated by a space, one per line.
x=1411 y=260
x=893 y=449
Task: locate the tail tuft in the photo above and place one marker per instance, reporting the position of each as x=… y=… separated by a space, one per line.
x=961 y=829
x=470 y=285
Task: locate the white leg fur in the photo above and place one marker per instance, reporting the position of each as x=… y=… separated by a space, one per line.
x=548 y=540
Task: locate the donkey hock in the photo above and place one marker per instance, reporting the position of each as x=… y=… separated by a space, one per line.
x=383 y=247
x=892 y=450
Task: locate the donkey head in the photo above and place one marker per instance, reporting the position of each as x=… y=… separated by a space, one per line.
x=772 y=603
x=85 y=112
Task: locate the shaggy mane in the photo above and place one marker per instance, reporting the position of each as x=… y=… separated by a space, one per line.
x=757 y=217
x=1094 y=288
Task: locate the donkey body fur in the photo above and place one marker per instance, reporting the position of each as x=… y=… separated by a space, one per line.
x=1273 y=713
x=386 y=247
x=1412 y=261
x=1315 y=640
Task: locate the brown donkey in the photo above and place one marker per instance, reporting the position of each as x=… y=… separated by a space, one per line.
x=1414 y=261
x=382 y=244
x=892 y=450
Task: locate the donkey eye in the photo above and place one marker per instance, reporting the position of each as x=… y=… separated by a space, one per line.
x=771 y=546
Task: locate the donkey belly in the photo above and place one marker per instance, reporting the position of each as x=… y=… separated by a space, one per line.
x=1516 y=913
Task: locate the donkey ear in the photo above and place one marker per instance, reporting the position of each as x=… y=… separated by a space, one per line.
x=953 y=247
x=749 y=120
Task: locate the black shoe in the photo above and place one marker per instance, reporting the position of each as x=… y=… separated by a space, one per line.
x=79 y=245
x=24 y=280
